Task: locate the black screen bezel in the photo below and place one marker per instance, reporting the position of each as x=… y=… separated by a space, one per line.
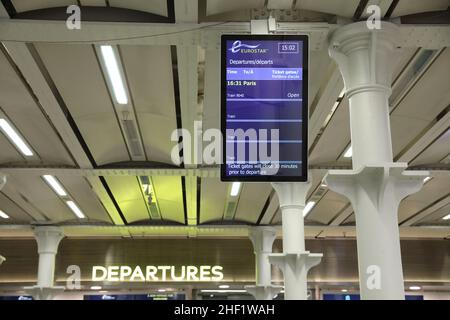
x=305 y=64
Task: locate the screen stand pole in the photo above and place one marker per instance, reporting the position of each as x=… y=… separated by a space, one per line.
x=47 y=238
x=376 y=185
x=295 y=261
x=262 y=239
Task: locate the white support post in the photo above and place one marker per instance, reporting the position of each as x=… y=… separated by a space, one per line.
x=295 y=261
x=262 y=239
x=48 y=239
x=376 y=185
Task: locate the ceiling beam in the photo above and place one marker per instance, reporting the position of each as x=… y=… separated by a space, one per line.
x=211 y=172
x=187 y=34
x=211 y=231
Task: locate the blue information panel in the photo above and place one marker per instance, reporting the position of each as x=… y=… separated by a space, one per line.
x=264 y=107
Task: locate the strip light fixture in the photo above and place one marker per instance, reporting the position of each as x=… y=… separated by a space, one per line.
x=15 y=138
x=426 y=180
x=447 y=217
x=75 y=209
x=348 y=153
x=308 y=207
x=235 y=187
x=3 y=215
x=55 y=185
x=114 y=74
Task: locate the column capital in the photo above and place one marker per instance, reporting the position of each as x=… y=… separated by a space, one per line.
x=48 y=238
x=296 y=261
x=292 y=194
x=380 y=182
x=366 y=57
x=44 y=293
x=262 y=238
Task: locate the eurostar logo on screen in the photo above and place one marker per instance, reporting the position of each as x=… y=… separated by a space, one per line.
x=240 y=47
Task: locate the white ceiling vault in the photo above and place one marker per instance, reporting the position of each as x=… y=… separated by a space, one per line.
x=108 y=157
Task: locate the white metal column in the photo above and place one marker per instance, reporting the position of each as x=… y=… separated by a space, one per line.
x=376 y=185
x=262 y=239
x=295 y=261
x=48 y=239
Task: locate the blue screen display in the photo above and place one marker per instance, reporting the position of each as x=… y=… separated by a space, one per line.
x=264 y=108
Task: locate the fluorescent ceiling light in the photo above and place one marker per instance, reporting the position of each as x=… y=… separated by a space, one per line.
x=96 y=288
x=224 y=286
x=415 y=288
x=348 y=153
x=3 y=215
x=75 y=209
x=235 y=187
x=161 y=290
x=344 y=290
x=447 y=217
x=15 y=138
x=308 y=207
x=56 y=186
x=426 y=179
x=115 y=77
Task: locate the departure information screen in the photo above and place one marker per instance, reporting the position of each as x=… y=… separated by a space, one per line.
x=264 y=107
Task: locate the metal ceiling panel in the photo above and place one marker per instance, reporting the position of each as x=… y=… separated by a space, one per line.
x=16 y=214
x=211 y=103
x=128 y=195
x=251 y=201
x=97 y=3
x=155 y=6
x=212 y=199
x=27 y=118
x=343 y=8
x=9 y=153
x=155 y=111
x=319 y=65
x=418 y=6
x=436 y=217
x=10 y=191
x=169 y=195
x=27 y=5
x=42 y=197
x=85 y=197
x=271 y=210
x=433 y=190
x=424 y=102
x=335 y=138
x=76 y=73
x=435 y=152
x=220 y=6
x=327 y=208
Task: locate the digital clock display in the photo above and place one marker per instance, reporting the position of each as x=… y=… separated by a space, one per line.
x=264 y=107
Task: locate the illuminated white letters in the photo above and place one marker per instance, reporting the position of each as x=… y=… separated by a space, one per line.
x=95 y=269
x=157 y=273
